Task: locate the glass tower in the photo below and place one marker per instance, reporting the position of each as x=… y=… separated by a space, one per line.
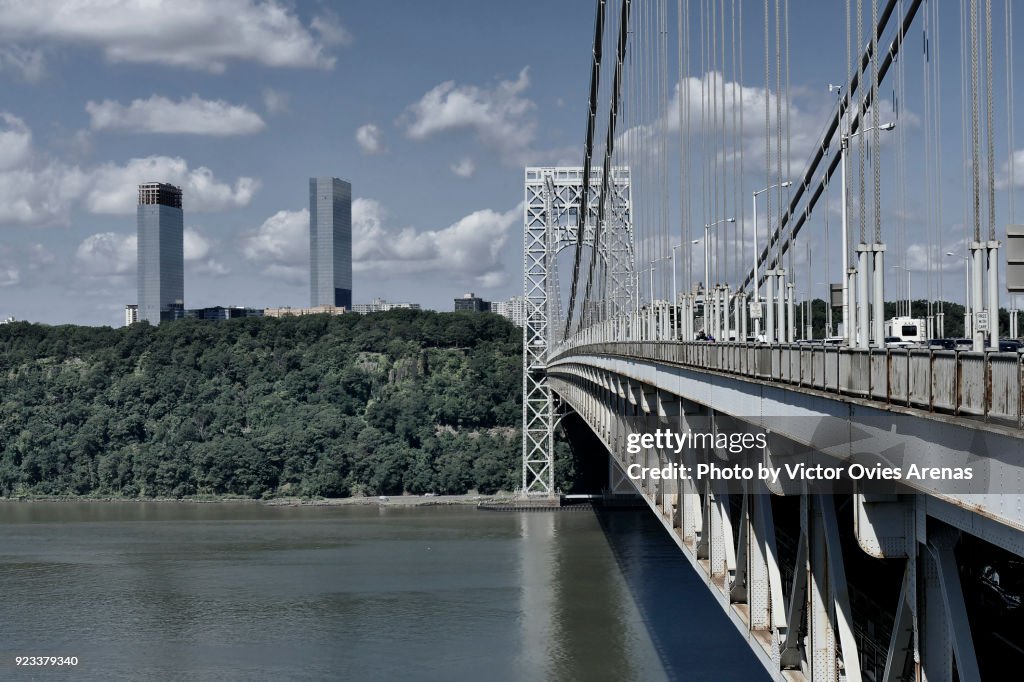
x=330 y=242
x=161 y=272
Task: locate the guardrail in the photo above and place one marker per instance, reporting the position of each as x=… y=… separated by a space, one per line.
x=979 y=384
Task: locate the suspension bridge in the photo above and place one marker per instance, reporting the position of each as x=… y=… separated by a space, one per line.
x=746 y=256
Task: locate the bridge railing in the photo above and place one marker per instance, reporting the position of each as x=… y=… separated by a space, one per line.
x=977 y=384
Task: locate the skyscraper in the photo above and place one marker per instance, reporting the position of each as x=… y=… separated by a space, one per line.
x=161 y=273
x=330 y=242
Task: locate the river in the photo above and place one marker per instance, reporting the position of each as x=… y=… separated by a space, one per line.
x=236 y=591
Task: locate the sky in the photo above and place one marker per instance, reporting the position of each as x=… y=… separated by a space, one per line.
x=430 y=109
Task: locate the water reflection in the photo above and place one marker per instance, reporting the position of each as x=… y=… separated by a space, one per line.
x=155 y=591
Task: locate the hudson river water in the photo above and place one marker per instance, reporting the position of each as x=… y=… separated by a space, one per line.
x=182 y=591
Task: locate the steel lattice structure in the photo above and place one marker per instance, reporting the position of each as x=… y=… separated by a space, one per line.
x=551 y=223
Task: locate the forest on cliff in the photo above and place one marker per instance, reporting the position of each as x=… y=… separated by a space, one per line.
x=403 y=401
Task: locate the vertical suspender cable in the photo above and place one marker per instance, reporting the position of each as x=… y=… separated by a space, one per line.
x=989 y=137
x=875 y=122
x=1007 y=43
x=975 y=145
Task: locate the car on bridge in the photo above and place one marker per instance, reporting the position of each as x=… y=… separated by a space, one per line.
x=1011 y=346
x=898 y=342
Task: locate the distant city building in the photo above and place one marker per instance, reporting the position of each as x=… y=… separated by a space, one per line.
x=472 y=303
x=514 y=309
x=222 y=313
x=314 y=310
x=7 y=320
x=161 y=262
x=379 y=305
x=131 y=314
x=330 y=242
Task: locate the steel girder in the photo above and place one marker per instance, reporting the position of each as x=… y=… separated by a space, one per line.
x=552 y=223
x=807 y=631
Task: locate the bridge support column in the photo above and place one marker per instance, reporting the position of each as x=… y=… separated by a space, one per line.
x=863 y=334
x=850 y=315
x=947 y=631
x=726 y=324
x=978 y=262
x=877 y=294
x=790 y=317
x=769 y=329
x=902 y=645
x=741 y=305
x=992 y=250
x=780 y=333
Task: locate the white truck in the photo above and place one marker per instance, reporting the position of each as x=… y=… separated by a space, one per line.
x=905 y=331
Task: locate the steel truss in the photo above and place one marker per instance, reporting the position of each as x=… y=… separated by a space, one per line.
x=551 y=223
x=794 y=608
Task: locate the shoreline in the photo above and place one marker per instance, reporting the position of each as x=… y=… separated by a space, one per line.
x=381 y=501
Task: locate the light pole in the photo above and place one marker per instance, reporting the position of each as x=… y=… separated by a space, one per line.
x=757 y=255
x=691 y=297
x=707 y=253
x=675 y=288
x=653 y=261
x=707 y=271
x=968 y=327
x=862 y=311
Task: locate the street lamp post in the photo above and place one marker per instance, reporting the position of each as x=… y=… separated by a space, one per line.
x=968 y=318
x=674 y=303
x=757 y=255
x=862 y=311
x=675 y=288
x=707 y=269
x=654 y=316
x=691 y=297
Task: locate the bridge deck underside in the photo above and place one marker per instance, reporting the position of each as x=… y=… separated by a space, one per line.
x=781 y=576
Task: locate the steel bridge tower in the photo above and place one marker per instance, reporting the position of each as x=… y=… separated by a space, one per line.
x=552 y=223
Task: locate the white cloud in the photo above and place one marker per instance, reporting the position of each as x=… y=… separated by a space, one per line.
x=107 y=254
x=195 y=245
x=807 y=115
x=187 y=33
x=39 y=257
x=469 y=249
x=211 y=267
x=114 y=254
x=15 y=141
x=113 y=188
x=498 y=116
x=296 y=274
x=29 y=64
x=330 y=29
x=275 y=101
x=38 y=191
x=464 y=168
x=39 y=195
x=282 y=239
x=157 y=114
x=32 y=192
x=9 y=275
x=639 y=144
x=370 y=139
